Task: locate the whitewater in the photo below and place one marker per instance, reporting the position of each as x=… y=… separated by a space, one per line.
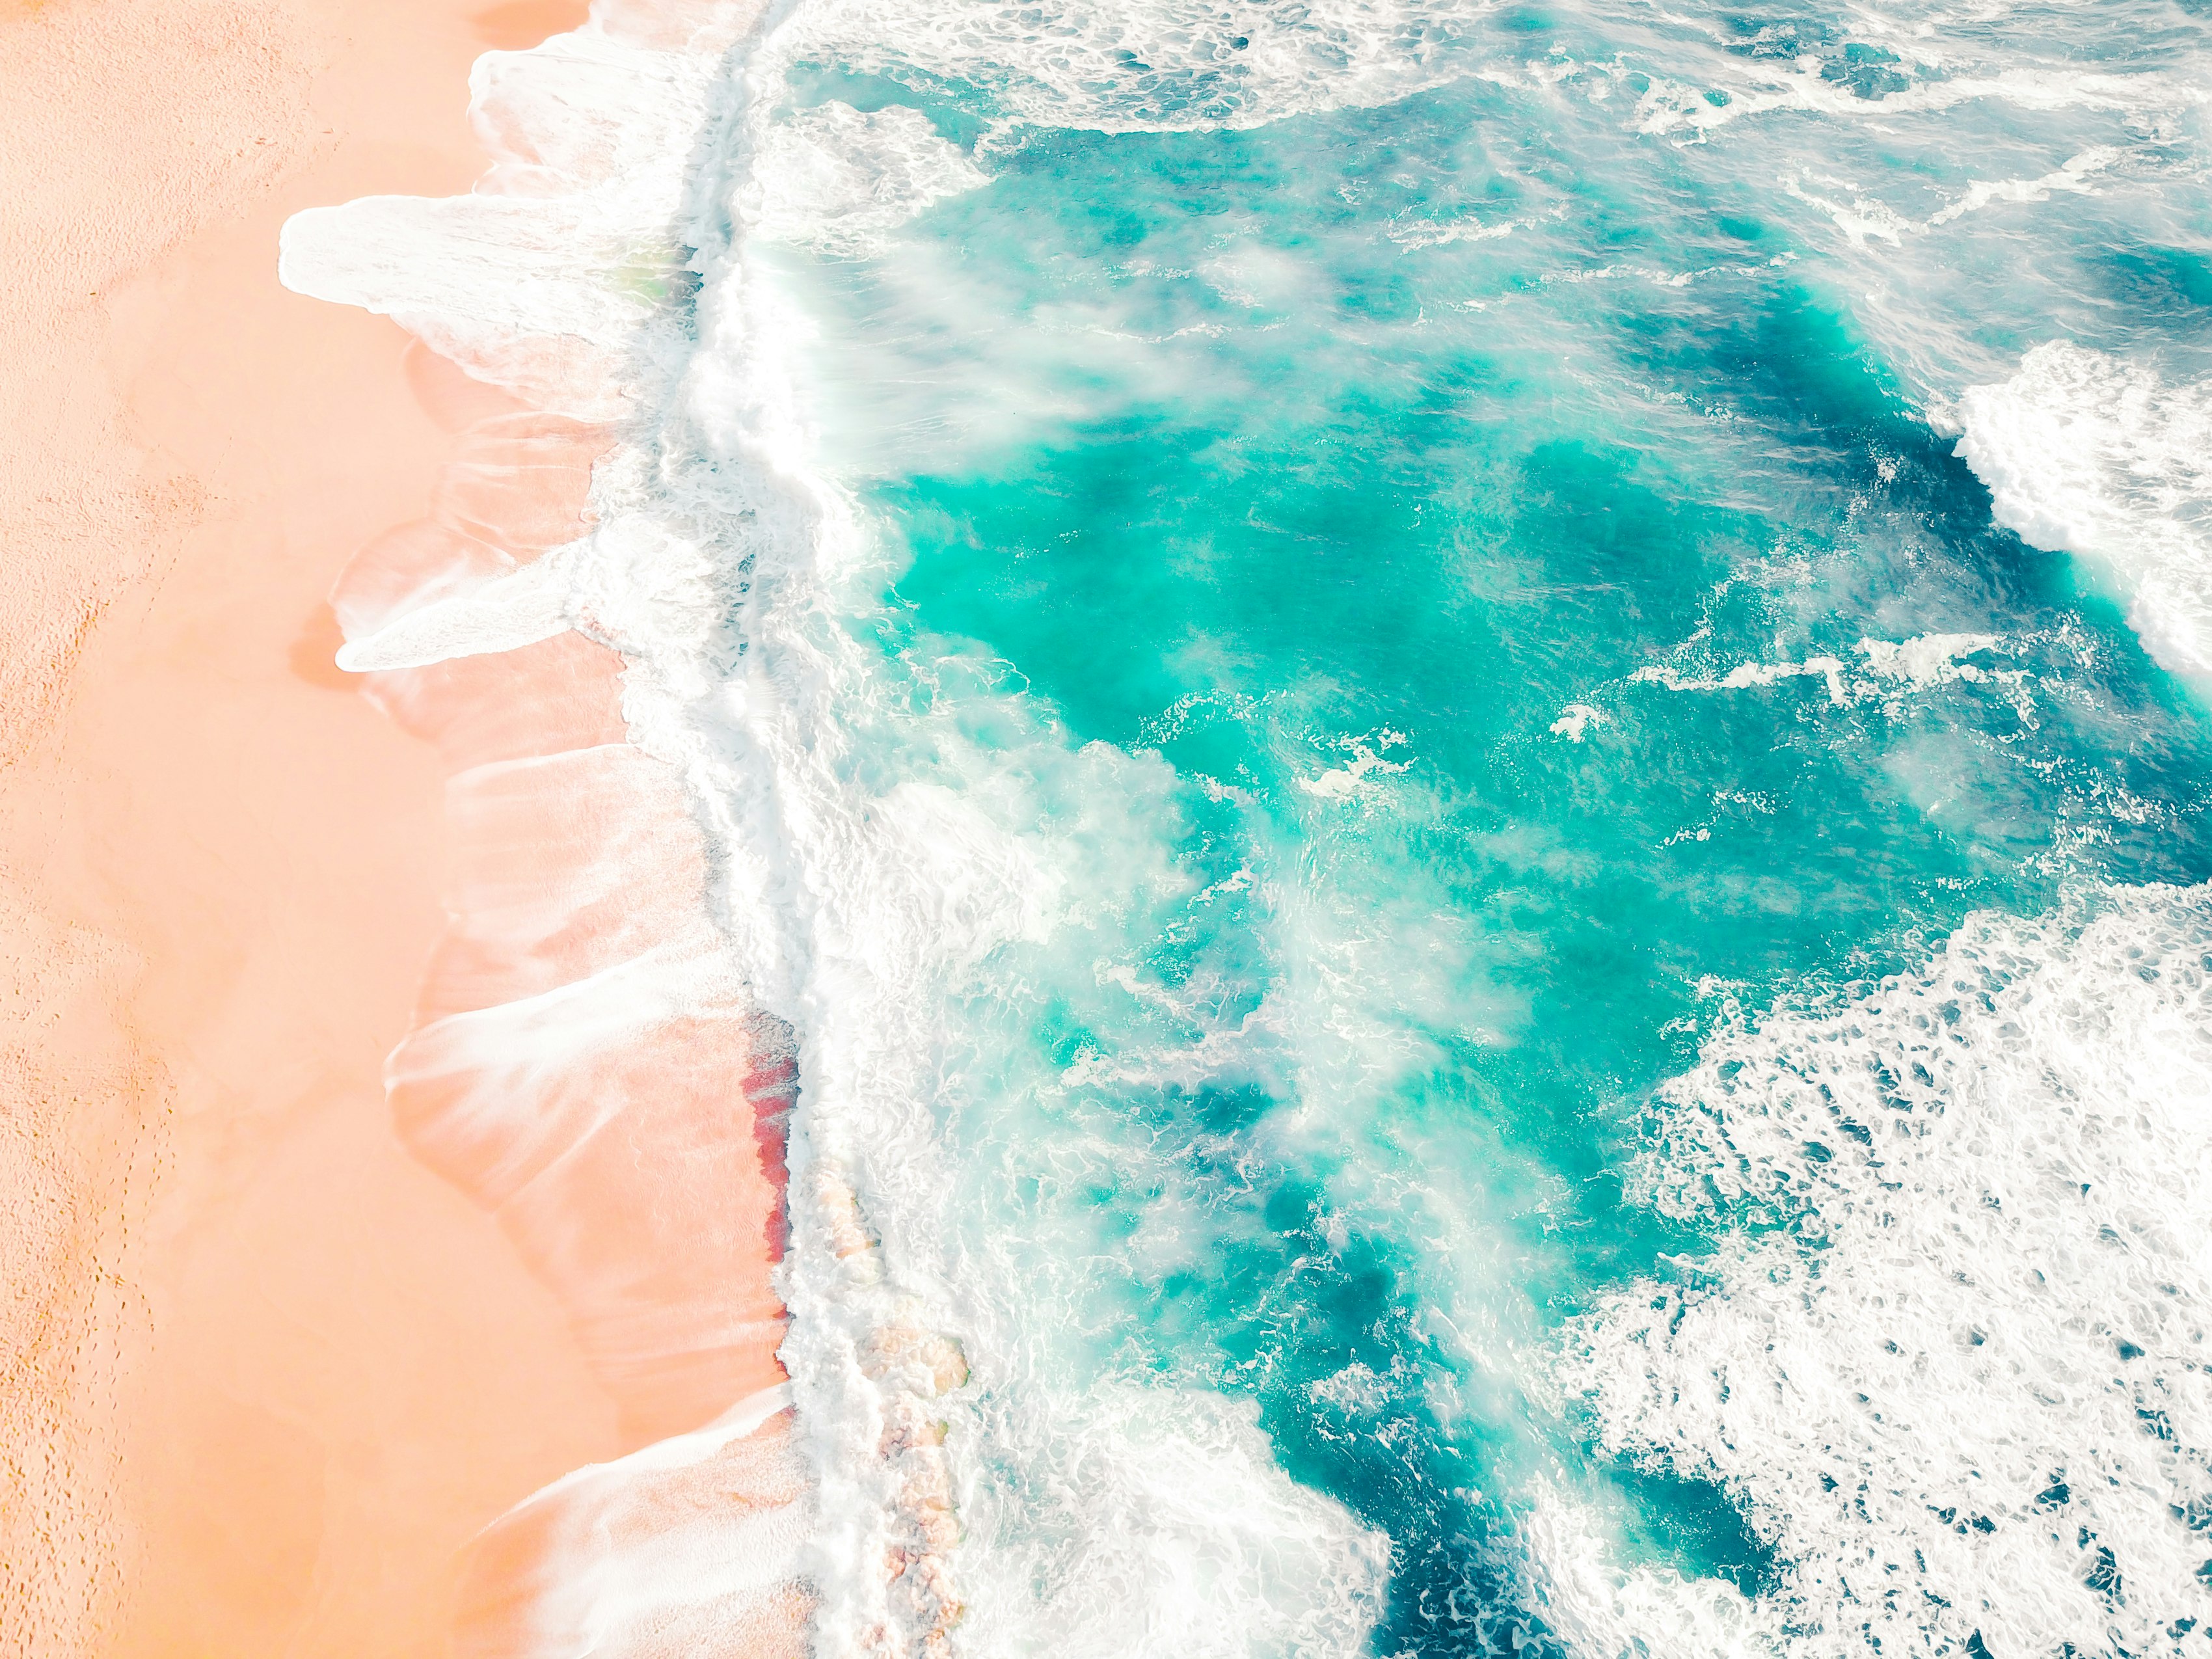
x=1439 y=770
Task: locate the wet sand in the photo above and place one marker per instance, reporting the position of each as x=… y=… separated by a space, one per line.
x=265 y=1373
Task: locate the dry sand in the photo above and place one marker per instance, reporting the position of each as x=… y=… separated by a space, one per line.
x=261 y=1372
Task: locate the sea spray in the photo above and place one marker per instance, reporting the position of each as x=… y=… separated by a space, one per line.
x=1268 y=617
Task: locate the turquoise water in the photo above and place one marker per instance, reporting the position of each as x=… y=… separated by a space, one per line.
x=1456 y=558
x=1467 y=745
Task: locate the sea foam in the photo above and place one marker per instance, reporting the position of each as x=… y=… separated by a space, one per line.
x=791 y=846
x=607 y=272
x=2088 y=453
x=1949 y=1351
x=586 y=1060
x=1162 y=65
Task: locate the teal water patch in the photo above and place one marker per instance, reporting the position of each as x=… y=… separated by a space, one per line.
x=1515 y=533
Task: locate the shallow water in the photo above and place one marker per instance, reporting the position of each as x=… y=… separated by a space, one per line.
x=1349 y=667
x=1463 y=595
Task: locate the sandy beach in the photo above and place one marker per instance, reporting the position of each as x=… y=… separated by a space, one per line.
x=263 y=1373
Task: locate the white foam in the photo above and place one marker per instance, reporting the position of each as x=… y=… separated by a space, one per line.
x=2073 y=176
x=1597 y=1610
x=2087 y=454
x=1829 y=670
x=1353 y=779
x=1161 y=65
x=1889 y=672
x=518 y=609
x=1928 y=660
x=1575 y=722
x=1210 y=1549
x=1860 y=216
x=865 y=867
x=561 y=278
x=832 y=178
x=1429 y=233
x=1758 y=86
x=646 y=1555
x=1689 y=75
x=1951 y=1356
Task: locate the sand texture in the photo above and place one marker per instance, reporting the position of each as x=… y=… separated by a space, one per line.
x=264 y=1370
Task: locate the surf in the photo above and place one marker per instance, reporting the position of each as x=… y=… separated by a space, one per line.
x=1134 y=706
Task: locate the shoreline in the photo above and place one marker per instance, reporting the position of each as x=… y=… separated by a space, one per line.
x=586 y=1060
x=266 y=1373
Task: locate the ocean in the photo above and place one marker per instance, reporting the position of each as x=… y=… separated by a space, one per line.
x=1467 y=745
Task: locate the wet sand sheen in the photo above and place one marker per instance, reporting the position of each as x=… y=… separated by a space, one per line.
x=581 y=1066
x=279 y=1372
x=349 y=1371
x=583 y=1061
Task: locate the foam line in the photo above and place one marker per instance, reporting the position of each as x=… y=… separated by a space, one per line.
x=613 y=1076
x=587 y=1062
x=509 y=611
x=686 y=1547
x=519 y=489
